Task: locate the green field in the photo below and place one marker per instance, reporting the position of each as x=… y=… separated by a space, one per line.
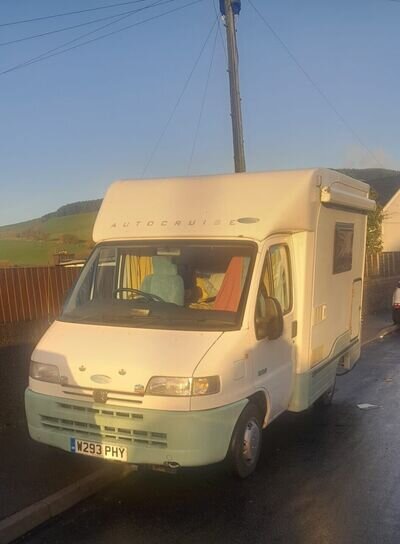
x=36 y=253
x=80 y=225
x=35 y=242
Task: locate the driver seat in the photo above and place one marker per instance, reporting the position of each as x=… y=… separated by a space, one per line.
x=165 y=281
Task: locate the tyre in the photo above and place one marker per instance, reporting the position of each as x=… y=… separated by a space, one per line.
x=327 y=398
x=245 y=446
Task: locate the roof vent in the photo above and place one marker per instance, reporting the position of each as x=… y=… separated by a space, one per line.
x=248 y=220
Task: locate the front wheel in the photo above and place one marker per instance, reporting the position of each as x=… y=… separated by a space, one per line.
x=245 y=446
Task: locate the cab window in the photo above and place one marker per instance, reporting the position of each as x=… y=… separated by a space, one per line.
x=275 y=283
x=264 y=292
x=280 y=280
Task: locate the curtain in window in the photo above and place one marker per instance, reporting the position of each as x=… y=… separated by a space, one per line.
x=136 y=269
x=228 y=297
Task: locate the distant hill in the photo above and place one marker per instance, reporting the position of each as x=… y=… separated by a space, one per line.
x=75 y=208
x=35 y=242
x=385 y=182
x=70 y=227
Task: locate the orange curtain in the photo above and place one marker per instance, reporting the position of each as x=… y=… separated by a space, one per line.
x=228 y=297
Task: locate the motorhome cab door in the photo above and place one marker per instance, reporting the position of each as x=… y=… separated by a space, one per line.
x=273 y=359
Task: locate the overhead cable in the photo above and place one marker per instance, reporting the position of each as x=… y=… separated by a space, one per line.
x=67 y=13
x=63 y=49
x=316 y=86
x=203 y=102
x=66 y=28
x=219 y=17
x=179 y=100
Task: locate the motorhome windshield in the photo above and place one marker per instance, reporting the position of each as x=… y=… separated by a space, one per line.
x=189 y=286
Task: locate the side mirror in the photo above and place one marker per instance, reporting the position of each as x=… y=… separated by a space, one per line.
x=270 y=325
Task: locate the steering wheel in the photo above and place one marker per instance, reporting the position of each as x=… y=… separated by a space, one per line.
x=147 y=296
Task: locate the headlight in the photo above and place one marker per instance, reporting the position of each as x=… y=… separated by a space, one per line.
x=171 y=387
x=206 y=386
x=45 y=373
x=166 y=386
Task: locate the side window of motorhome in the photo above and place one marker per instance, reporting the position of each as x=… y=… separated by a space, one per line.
x=276 y=280
x=343 y=248
x=264 y=291
x=281 y=287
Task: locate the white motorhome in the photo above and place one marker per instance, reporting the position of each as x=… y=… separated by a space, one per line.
x=209 y=306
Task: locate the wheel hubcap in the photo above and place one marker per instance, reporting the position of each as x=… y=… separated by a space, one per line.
x=251 y=441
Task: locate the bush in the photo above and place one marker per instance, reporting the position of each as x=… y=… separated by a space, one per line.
x=374 y=228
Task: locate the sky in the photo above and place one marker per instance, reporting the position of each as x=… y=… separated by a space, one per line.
x=73 y=123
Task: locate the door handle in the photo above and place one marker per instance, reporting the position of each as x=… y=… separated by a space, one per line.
x=294 y=329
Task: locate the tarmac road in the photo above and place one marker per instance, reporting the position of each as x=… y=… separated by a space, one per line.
x=29 y=471
x=330 y=477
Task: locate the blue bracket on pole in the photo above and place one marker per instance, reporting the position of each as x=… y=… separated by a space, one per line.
x=236 y=6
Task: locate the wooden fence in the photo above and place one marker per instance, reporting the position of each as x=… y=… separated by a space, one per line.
x=383 y=265
x=29 y=294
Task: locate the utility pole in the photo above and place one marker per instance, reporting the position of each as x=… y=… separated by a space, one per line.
x=230 y=8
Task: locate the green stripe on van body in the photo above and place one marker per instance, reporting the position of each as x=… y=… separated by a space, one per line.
x=151 y=436
x=309 y=386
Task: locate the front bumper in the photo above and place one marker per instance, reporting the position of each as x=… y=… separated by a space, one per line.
x=151 y=436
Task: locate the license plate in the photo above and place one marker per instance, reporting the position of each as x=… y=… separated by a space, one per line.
x=96 y=449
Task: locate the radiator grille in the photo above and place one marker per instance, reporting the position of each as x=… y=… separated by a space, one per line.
x=97 y=411
x=121 y=431
x=86 y=393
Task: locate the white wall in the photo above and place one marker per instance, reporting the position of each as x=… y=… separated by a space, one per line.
x=391 y=224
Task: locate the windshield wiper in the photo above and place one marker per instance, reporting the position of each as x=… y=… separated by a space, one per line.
x=134 y=319
x=207 y=320
x=215 y=321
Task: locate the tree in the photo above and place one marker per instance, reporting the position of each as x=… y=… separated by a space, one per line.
x=374 y=226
